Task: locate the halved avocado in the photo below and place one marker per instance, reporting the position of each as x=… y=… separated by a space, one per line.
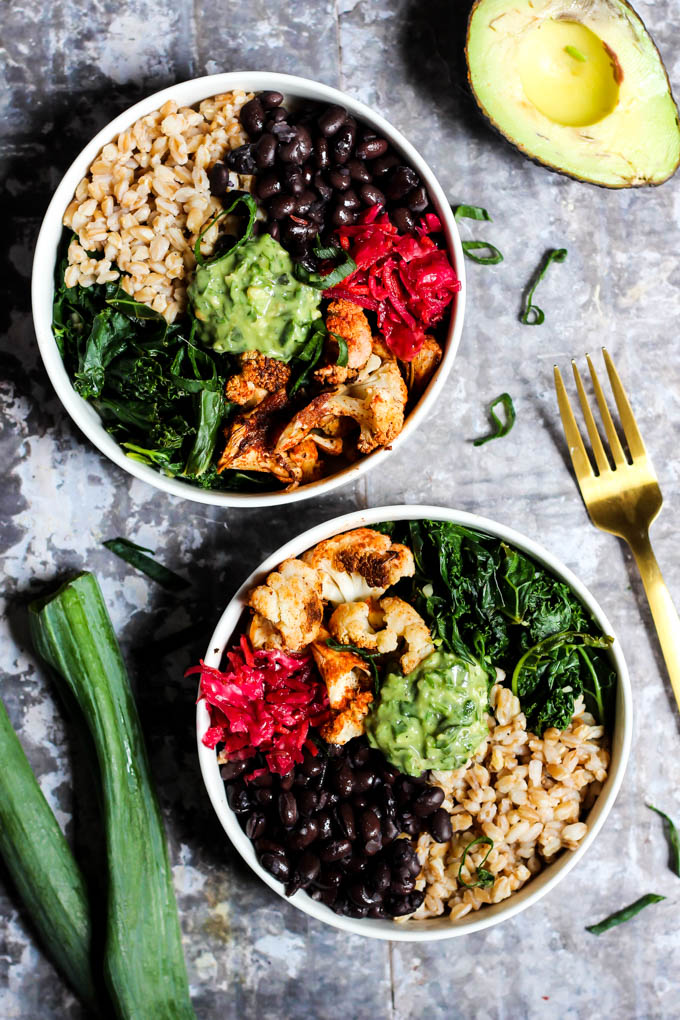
x=577 y=85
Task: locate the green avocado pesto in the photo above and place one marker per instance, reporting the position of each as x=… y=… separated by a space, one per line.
x=249 y=300
x=433 y=718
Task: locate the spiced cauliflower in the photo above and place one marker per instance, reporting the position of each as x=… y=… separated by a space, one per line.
x=290 y=604
x=381 y=627
x=359 y=564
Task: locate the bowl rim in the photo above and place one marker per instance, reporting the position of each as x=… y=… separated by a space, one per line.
x=434 y=929
x=189 y=93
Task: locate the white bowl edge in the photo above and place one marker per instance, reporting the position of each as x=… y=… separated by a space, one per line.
x=436 y=928
x=42 y=283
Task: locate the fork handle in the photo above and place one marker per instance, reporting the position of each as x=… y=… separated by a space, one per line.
x=664 y=613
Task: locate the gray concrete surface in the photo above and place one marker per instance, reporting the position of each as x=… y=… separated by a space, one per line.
x=67 y=68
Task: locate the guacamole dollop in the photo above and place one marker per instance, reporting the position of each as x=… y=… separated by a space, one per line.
x=249 y=300
x=433 y=718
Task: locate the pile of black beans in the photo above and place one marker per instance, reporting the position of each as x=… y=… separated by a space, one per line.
x=317 y=169
x=331 y=825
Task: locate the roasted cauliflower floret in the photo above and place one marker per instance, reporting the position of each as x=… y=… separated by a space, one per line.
x=359 y=564
x=349 y=321
x=375 y=401
x=249 y=441
x=259 y=376
x=263 y=634
x=421 y=368
x=361 y=624
x=405 y=623
x=290 y=601
x=381 y=626
x=348 y=682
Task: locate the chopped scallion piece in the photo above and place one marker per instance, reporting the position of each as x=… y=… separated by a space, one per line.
x=136 y=556
x=501 y=427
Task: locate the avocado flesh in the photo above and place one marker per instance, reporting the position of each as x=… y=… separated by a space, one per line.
x=577 y=85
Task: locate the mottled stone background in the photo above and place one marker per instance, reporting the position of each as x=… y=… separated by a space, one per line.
x=67 y=68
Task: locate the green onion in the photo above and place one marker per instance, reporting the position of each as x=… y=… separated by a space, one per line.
x=625 y=914
x=136 y=556
x=475 y=212
x=673 y=840
x=501 y=428
x=42 y=867
x=309 y=356
x=249 y=203
x=343 y=352
x=532 y=314
x=576 y=54
x=143 y=959
x=345 y=267
x=484 y=877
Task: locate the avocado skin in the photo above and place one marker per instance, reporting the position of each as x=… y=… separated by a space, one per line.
x=550 y=166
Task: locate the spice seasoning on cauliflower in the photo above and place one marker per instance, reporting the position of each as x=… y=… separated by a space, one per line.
x=359 y=564
x=380 y=626
x=348 y=683
x=290 y=601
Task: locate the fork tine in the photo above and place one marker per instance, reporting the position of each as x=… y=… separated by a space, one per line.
x=630 y=429
x=577 y=450
x=595 y=441
x=612 y=436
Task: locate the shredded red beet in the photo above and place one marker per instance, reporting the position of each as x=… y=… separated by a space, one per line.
x=264 y=701
x=405 y=278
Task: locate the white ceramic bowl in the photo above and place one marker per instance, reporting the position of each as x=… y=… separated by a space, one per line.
x=436 y=928
x=187 y=94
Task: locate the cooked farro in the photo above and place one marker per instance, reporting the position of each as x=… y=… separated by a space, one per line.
x=146 y=198
x=524 y=792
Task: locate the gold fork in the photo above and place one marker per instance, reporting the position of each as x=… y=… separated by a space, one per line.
x=622 y=497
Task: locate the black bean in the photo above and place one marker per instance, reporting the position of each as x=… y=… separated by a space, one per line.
x=270 y=846
x=327 y=896
x=397 y=906
x=308 y=172
x=323 y=796
x=439 y=824
x=307 y=867
x=267 y=185
x=271 y=99
x=308 y=802
x=390 y=830
x=317 y=212
x=288 y=812
x=343 y=143
x=360 y=800
x=282 y=131
x=274 y=229
x=321 y=153
x=304 y=202
x=335 y=850
x=364 y=779
x=361 y=894
x=339 y=178
x=346 y=820
x=252 y=117
x=417 y=200
x=286 y=782
x=265 y=151
x=264 y=779
x=403 y=220
x=219 y=180
x=369 y=824
x=356 y=864
x=276 y=866
x=371 y=148
x=370 y=195
x=238 y=798
x=349 y=199
x=377 y=911
x=381 y=876
x=331 y=120
x=298 y=148
x=332 y=876
x=402 y=179
x=233 y=769
x=256 y=826
x=384 y=163
x=325 y=823
x=241 y=160
x=402 y=856
x=306 y=832
x=264 y=796
x=293 y=182
x=402 y=884
x=324 y=190
x=344 y=781
x=342 y=217
x=389 y=773
x=428 y=801
x=358 y=171
x=281 y=206
x=372 y=846
x=353 y=910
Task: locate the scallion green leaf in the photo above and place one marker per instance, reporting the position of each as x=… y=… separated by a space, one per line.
x=532 y=315
x=484 y=877
x=625 y=914
x=673 y=840
x=136 y=556
x=501 y=427
x=492 y=256
x=343 y=353
x=249 y=203
x=367 y=656
x=345 y=267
